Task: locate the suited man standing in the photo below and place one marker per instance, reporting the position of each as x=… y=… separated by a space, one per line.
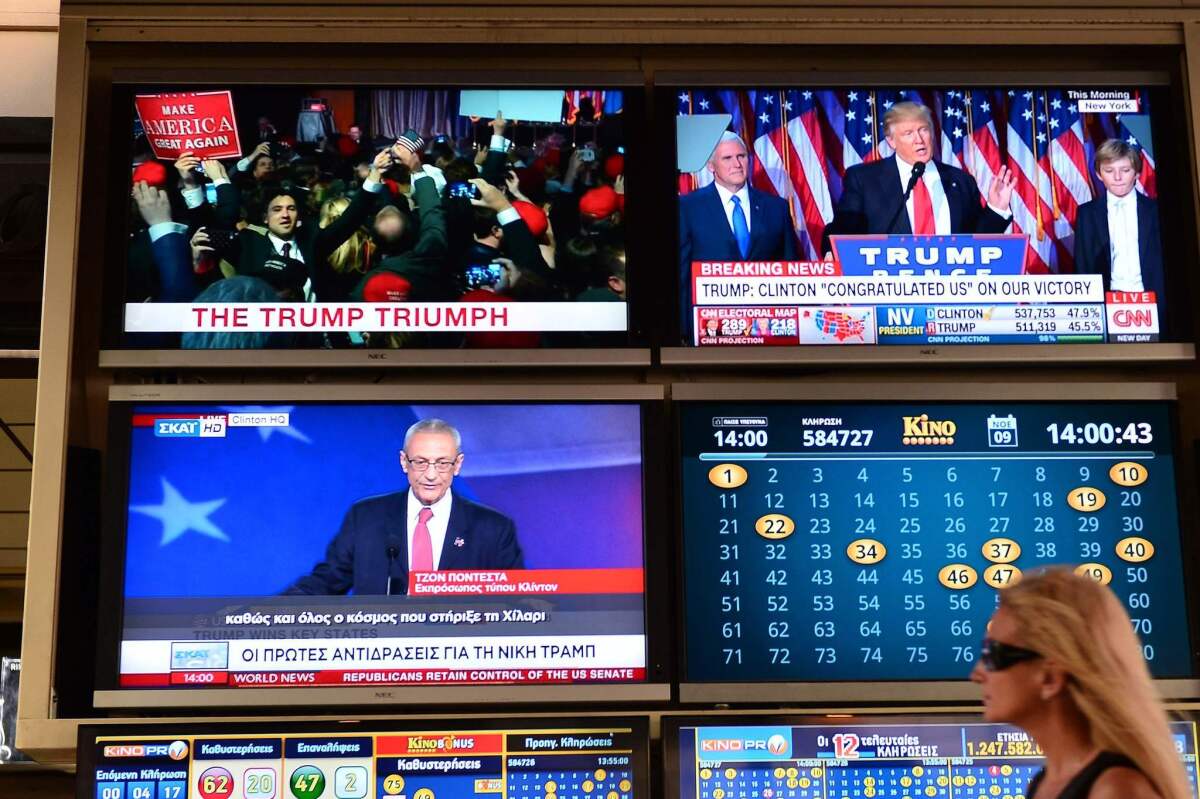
x=426 y=528
x=944 y=200
x=729 y=221
x=1117 y=235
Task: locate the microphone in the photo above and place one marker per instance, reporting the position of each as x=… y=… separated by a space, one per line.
x=918 y=169
x=393 y=552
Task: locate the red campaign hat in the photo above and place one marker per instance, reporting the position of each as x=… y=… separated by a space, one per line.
x=346 y=146
x=531 y=178
x=393 y=187
x=614 y=165
x=552 y=156
x=534 y=217
x=386 y=287
x=151 y=172
x=599 y=203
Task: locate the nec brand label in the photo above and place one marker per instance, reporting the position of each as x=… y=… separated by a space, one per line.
x=204 y=427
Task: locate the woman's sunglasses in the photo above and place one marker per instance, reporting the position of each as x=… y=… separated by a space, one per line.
x=997 y=656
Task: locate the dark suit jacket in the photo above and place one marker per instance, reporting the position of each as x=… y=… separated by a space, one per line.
x=357 y=557
x=1092 y=244
x=424 y=264
x=705 y=234
x=519 y=243
x=173 y=260
x=872 y=194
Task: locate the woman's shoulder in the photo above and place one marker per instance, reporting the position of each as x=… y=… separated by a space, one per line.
x=1122 y=782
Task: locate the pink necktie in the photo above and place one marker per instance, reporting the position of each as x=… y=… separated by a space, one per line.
x=422 y=547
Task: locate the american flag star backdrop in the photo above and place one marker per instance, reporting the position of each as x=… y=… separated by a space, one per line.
x=802 y=141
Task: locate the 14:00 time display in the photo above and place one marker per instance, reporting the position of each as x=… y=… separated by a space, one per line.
x=1100 y=433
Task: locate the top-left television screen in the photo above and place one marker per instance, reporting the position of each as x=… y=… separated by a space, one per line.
x=287 y=217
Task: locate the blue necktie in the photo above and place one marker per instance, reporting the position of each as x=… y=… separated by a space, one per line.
x=741 y=231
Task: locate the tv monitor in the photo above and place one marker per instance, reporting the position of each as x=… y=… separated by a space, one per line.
x=1043 y=214
x=712 y=757
x=376 y=546
x=485 y=223
x=846 y=547
x=511 y=758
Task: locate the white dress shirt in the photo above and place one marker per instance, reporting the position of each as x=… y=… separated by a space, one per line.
x=436 y=524
x=293 y=253
x=743 y=195
x=1123 y=257
x=937 y=196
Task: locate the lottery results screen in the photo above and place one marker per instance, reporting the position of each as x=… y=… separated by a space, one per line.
x=786 y=761
x=866 y=541
x=606 y=761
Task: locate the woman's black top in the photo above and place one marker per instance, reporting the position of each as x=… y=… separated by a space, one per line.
x=1081 y=784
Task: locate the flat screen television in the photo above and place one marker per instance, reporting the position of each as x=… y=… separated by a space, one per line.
x=967 y=218
x=712 y=757
x=360 y=224
x=353 y=546
x=847 y=547
x=510 y=758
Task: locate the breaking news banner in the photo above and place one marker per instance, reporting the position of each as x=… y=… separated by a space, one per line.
x=269 y=573
x=200 y=122
x=371 y=317
x=829 y=189
x=912 y=290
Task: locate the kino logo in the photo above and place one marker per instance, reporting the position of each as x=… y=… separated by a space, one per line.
x=923 y=430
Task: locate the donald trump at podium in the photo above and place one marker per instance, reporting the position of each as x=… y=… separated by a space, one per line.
x=910 y=193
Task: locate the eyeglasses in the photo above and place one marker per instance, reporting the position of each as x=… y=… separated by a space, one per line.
x=423 y=464
x=997 y=656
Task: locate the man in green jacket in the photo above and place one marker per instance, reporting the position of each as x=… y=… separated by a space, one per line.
x=425 y=265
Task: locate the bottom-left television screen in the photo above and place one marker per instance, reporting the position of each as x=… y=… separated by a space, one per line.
x=355 y=544
x=508 y=759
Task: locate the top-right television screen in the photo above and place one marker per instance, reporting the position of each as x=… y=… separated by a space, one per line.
x=925 y=216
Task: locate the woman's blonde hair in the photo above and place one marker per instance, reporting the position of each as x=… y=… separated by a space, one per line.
x=1080 y=625
x=355 y=253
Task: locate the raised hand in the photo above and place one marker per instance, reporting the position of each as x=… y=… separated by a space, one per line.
x=489 y=196
x=215 y=170
x=201 y=246
x=1001 y=189
x=185 y=165
x=152 y=203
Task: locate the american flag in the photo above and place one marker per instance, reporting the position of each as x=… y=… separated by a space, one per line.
x=981 y=154
x=574 y=98
x=1026 y=141
x=1067 y=163
x=802 y=141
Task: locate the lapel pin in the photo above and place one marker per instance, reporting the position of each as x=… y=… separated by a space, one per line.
x=459 y=542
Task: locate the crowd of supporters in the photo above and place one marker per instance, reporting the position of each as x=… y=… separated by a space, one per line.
x=350 y=219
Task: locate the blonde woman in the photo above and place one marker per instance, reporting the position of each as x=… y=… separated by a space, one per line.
x=1062 y=662
x=345 y=266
